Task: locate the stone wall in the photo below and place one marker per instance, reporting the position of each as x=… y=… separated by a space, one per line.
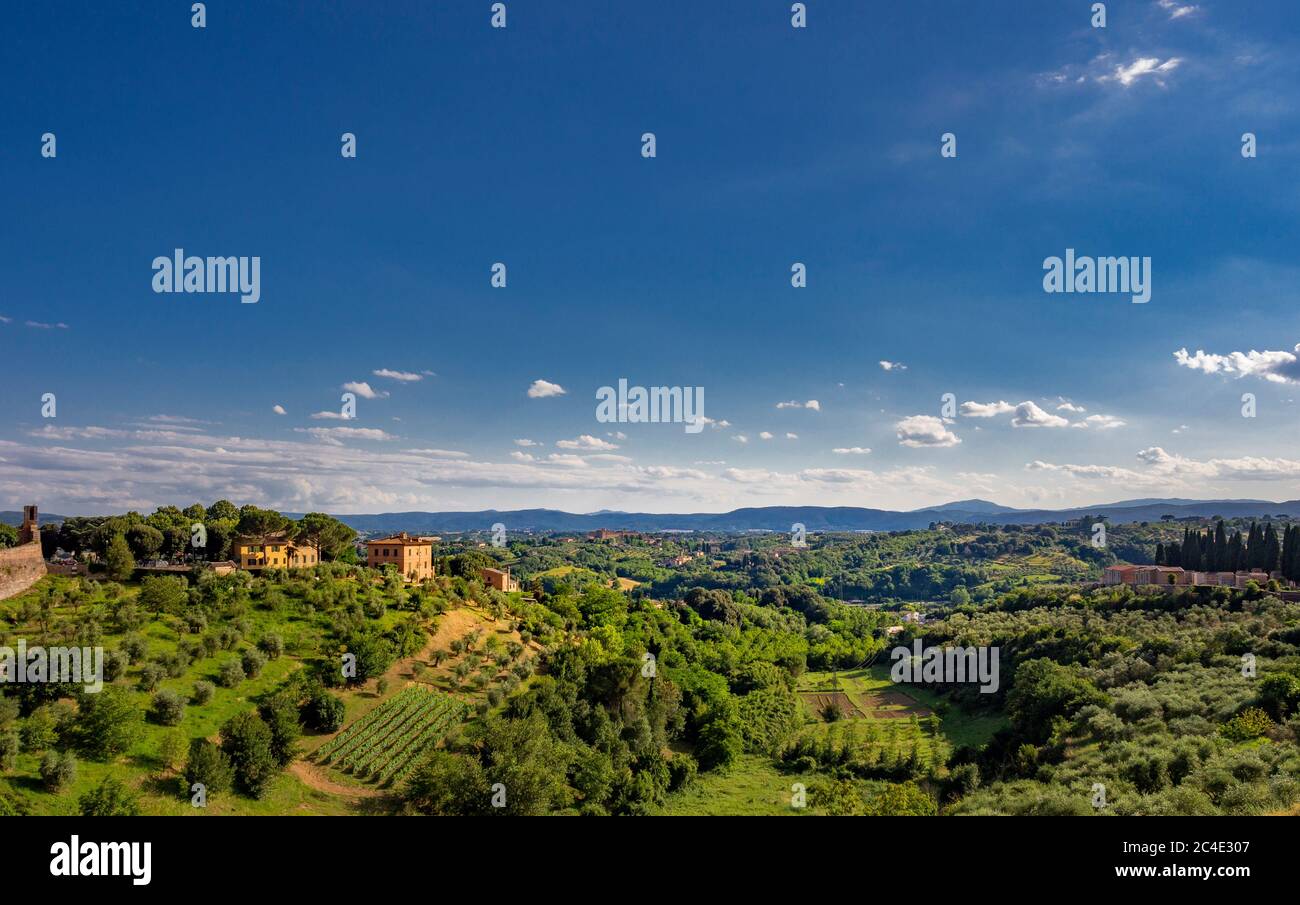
x=20 y=568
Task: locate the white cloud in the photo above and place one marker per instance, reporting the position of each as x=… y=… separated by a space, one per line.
x=924 y=431
x=586 y=441
x=740 y=438
x=892 y=366
x=338 y=434
x=363 y=389
x=617 y=435
x=851 y=450
x=567 y=459
x=1175 y=9
x=1142 y=67
x=43 y=326
x=330 y=416
x=1030 y=415
x=1273 y=366
x=790 y=436
x=525 y=442
x=278 y=409
x=541 y=389
x=765 y=435
x=1170 y=470
x=522 y=456
x=1100 y=422
x=986 y=409
x=1068 y=406
x=795 y=404
x=404 y=376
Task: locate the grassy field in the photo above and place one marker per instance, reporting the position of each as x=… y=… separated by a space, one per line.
x=889 y=708
x=754 y=787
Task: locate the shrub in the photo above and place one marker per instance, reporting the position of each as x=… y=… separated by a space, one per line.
x=323 y=711
x=230 y=674
x=280 y=714
x=203 y=691
x=106 y=723
x=109 y=799
x=208 y=766
x=115 y=664
x=252 y=660
x=272 y=645
x=151 y=676
x=134 y=647
x=8 y=751
x=171 y=750
x=248 y=742
x=58 y=771
x=167 y=709
x=1250 y=723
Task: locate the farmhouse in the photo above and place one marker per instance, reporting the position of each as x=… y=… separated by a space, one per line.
x=273 y=551
x=499 y=579
x=411 y=556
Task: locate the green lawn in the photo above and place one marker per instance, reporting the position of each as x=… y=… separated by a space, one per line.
x=754 y=787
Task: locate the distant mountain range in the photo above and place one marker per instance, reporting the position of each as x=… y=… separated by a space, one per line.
x=780 y=518
x=814 y=518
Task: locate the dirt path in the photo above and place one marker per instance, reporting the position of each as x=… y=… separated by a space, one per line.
x=314 y=777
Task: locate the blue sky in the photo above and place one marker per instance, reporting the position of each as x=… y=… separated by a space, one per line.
x=774 y=145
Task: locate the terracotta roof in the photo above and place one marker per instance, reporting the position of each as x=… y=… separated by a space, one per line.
x=403 y=538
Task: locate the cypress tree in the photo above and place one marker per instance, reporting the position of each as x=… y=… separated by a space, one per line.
x=1190 y=560
x=1220 y=548
x=1272 y=549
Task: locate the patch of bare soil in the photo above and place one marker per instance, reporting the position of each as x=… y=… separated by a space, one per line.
x=314 y=776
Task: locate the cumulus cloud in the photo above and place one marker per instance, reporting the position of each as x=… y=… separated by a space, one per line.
x=986 y=409
x=765 y=435
x=892 y=366
x=925 y=431
x=519 y=456
x=586 y=441
x=1068 y=406
x=1273 y=366
x=851 y=450
x=790 y=436
x=363 y=389
x=740 y=438
x=522 y=441
x=541 y=389
x=404 y=376
x=795 y=404
x=278 y=409
x=1030 y=415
